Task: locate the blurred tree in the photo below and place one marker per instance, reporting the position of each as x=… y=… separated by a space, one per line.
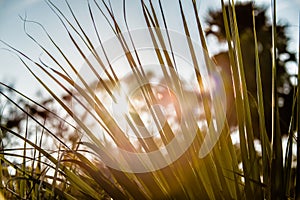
x=17 y=110
x=264 y=39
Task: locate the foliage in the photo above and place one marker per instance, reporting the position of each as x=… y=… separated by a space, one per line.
x=75 y=167
x=285 y=91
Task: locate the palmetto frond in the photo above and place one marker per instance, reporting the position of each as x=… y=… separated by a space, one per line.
x=149 y=108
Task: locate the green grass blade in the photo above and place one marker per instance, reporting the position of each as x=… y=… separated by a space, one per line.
x=254 y=168
x=265 y=143
x=277 y=157
x=238 y=102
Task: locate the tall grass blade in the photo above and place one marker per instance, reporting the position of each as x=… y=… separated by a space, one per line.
x=265 y=143
x=277 y=157
x=254 y=167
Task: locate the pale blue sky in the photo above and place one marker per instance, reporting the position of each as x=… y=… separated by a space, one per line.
x=11 y=30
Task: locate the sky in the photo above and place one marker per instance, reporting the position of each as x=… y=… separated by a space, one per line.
x=12 y=31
